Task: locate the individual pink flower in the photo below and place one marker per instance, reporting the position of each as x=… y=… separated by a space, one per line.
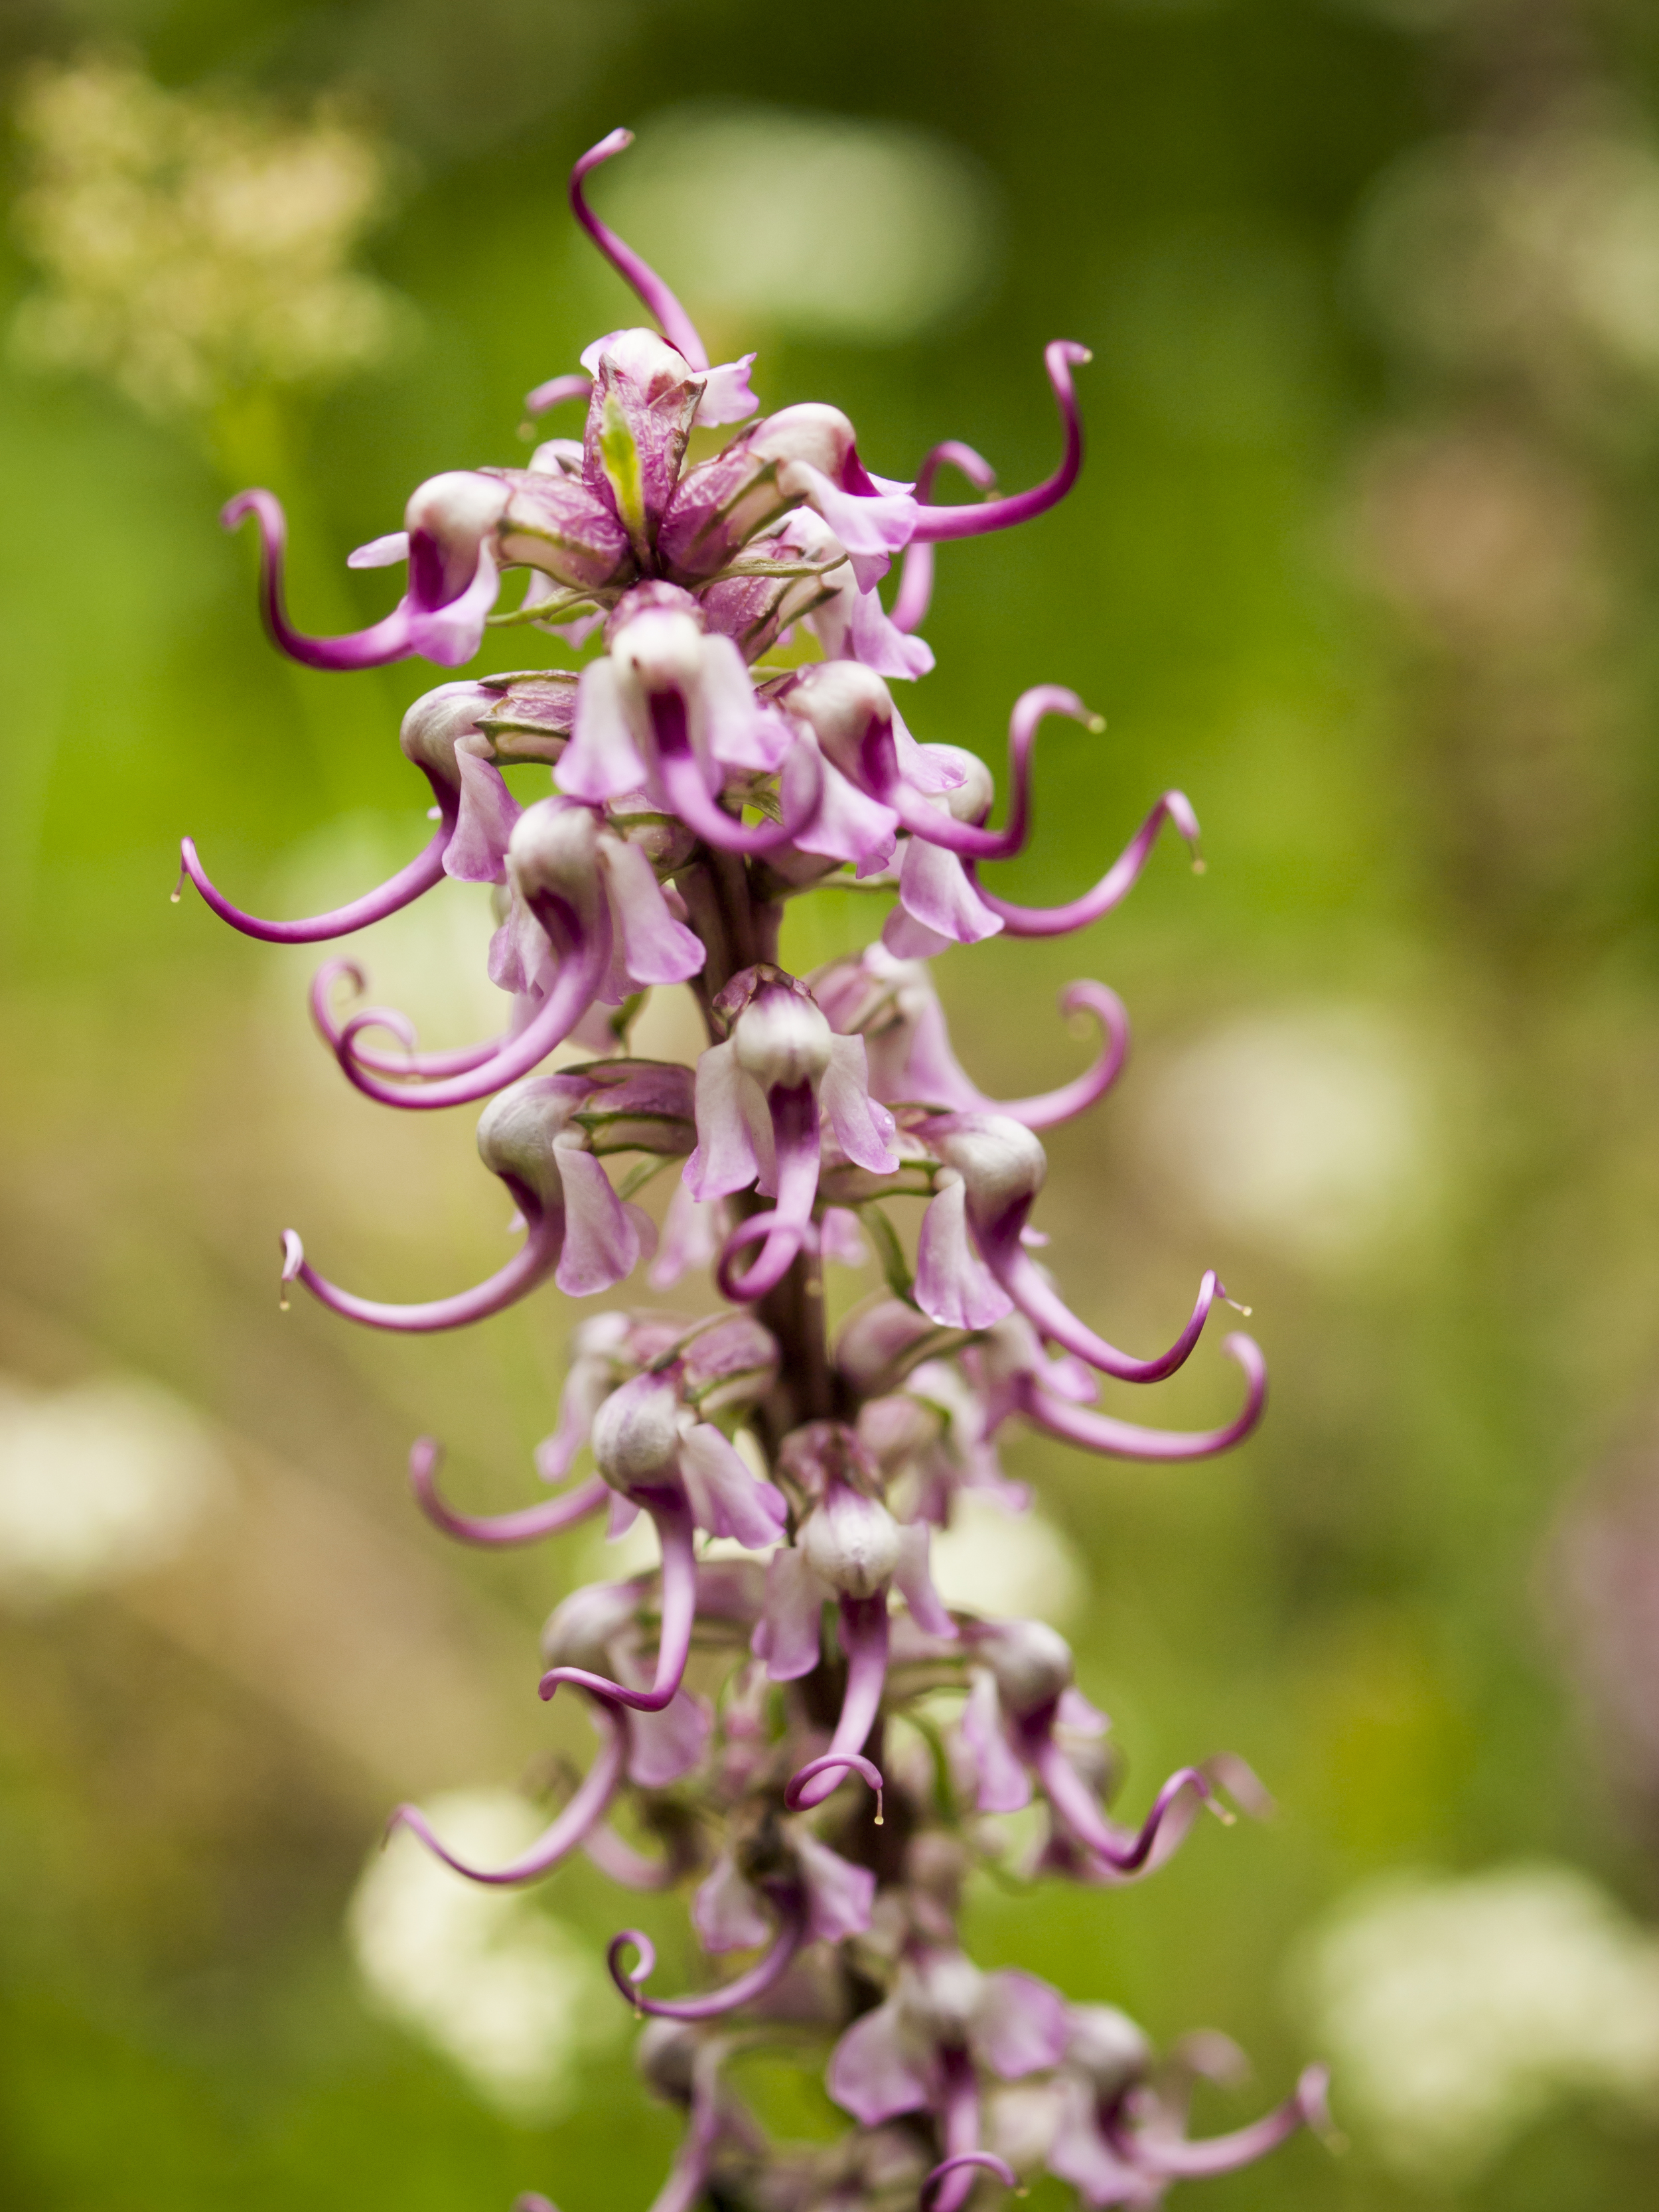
x=539 y=1137
x=762 y=1096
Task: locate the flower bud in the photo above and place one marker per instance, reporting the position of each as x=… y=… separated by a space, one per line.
x=637 y=1106
x=939 y=1995
x=529 y=717
x=877 y=1338
x=1105 y=2046
x=554 y=849
x=450 y=514
x=637 y=1436
x=556 y=523
x=1032 y=1663
x=1001 y=1162
x=971 y=799
x=781 y=1039
x=844 y=704
x=852 y=1543
x=520 y=1127
x=734 y=1363
x=661 y=649
x=436 y=720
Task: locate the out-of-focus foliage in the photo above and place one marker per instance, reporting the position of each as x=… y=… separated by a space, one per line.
x=1363 y=559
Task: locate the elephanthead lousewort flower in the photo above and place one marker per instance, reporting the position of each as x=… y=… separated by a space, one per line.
x=789 y=1716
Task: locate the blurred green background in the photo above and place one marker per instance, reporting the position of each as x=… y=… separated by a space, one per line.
x=1363 y=559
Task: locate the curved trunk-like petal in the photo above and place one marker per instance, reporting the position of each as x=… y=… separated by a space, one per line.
x=408 y=1061
x=572 y=1827
x=679 y=1607
x=677 y=326
x=872 y=526
x=425 y=871
x=527 y=1526
x=863 y=1639
x=531 y=1264
x=934 y=524
x=1114 y=887
x=1081 y=2154
x=1100 y=1432
x=1125 y=1853
x=781 y=1232
x=915 y=589
x=575 y=984
x=939 y=827
x=1181 y=2161
x=1042 y=1306
x=744 y=1991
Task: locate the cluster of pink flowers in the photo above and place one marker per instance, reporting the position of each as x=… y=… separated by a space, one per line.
x=793 y=1719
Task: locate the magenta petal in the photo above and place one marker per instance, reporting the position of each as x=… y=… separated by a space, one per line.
x=954 y=1286
x=662 y=1746
x=727 y=1499
x=1020 y=2023
x=1004 y=1784
x=602 y=760
x=725 y=394
x=848 y=825
x=1080 y=2155
x=839 y=1895
x=725 y=1159
x=934 y=888
x=871 y=2076
x=477 y=854
x=863 y=1129
x=789 y=1636
x=913 y=1581
x=691 y=1234
x=726 y=1910
x=601 y=1241
x=656 y=948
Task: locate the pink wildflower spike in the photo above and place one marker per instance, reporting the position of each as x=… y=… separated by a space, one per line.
x=792 y=1929
x=676 y=325
x=1114 y=887
x=915 y=590
x=572 y=1827
x=527 y=1526
x=697 y=787
x=1115 y=1439
x=935 y=524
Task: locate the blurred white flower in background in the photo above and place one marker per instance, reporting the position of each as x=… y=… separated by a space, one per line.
x=191 y=244
x=506 y=1993
x=98 y=1482
x=1456 y=2012
x=1306 y=1131
x=827 y=226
